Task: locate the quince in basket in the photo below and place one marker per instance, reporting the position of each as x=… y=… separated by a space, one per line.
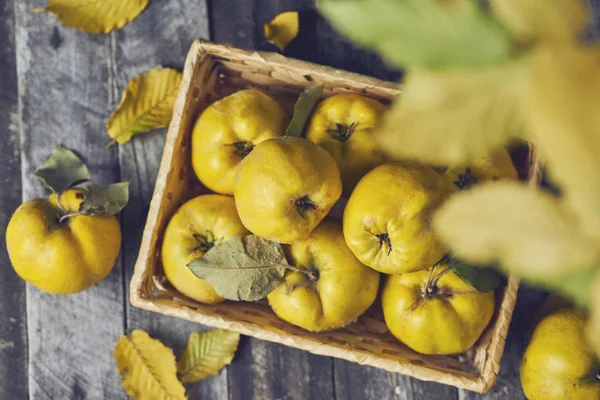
x=434 y=311
x=386 y=220
x=228 y=130
x=196 y=227
x=332 y=290
x=342 y=125
x=285 y=187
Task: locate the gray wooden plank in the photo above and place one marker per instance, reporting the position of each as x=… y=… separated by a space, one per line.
x=265 y=370
x=13 y=320
x=63 y=75
x=161 y=35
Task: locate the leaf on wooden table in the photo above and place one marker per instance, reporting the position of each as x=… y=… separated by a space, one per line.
x=563 y=102
x=105 y=200
x=451 y=117
x=542 y=19
x=528 y=232
x=62 y=169
x=147 y=104
x=95 y=16
x=302 y=109
x=244 y=269
x=206 y=353
x=282 y=29
x=148 y=368
x=422 y=33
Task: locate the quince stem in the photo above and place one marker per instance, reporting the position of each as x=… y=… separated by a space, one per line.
x=66 y=216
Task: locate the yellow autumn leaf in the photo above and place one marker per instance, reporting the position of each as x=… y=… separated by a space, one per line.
x=146 y=104
x=206 y=353
x=449 y=117
x=527 y=231
x=282 y=29
x=563 y=102
x=542 y=19
x=593 y=325
x=148 y=368
x=95 y=16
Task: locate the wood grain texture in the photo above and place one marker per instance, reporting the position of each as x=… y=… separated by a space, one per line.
x=63 y=75
x=13 y=320
x=161 y=35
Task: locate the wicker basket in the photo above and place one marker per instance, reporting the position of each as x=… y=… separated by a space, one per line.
x=214 y=71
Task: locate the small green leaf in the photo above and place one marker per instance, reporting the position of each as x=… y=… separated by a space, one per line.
x=105 y=200
x=206 y=353
x=302 y=110
x=62 y=169
x=483 y=279
x=244 y=269
x=422 y=33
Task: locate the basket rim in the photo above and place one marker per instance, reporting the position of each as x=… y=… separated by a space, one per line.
x=495 y=349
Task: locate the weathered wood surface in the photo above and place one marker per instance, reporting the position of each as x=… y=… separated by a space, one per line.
x=13 y=331
x=58 y=85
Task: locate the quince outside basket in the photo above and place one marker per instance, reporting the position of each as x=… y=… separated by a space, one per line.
x=213 y=71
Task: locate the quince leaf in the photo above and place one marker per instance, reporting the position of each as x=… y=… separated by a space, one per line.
x=95 y=16
x=206 y=353
x=148 y=368
x=302 y=110
x=105 y=200
x=451 y=117
x=527 y=231
x=481 y=278
x=282 y=29
x=242 y=268
x=147 y=104
x=62 y=169
x=544 y=20
x=422 y=33
x=563 y=101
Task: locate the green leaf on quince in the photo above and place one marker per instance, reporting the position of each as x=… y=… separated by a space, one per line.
x=481 y=278
x=105 y=200
x=62 y=170
x=242 y=268
x=302 y=110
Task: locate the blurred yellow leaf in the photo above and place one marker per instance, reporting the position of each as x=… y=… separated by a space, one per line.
x=95 y=16
x=206 y=354
x=542 y=19
x=563 y=103
x=148 y=368
x=593 y=325
x=527 y=231
x=146 y=104
x=282 y=29
x=453 y=116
